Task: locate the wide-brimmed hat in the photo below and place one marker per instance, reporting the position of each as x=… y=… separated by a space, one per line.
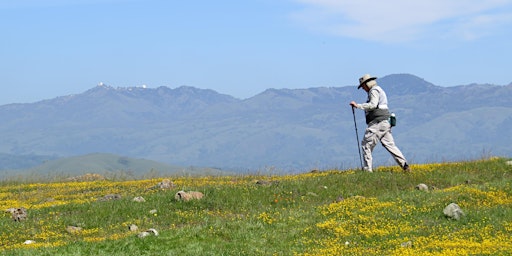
x=364 y=79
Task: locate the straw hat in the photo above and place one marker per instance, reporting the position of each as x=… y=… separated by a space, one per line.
x=365 y=79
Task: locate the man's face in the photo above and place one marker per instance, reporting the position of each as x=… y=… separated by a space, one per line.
x=366 y=88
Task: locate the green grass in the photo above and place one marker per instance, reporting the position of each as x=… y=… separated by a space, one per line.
x=381 y=213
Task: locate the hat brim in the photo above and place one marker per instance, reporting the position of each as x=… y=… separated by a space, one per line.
x=366 y=81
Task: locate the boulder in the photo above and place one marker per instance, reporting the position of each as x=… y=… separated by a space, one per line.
x=139 y=199
x=133 y=227
x=18 y=214
x=422 y=187
x=453 y=211
x=148 y=232
x=187 y=196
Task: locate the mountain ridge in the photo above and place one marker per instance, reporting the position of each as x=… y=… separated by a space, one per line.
x=288 y=129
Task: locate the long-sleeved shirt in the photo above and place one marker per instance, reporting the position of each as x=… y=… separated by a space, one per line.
x=376 y=97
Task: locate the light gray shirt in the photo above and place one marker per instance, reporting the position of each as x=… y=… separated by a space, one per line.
x=376 y=97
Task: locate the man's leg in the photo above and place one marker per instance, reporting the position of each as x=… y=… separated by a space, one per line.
x=388 y=143
x=369 y=142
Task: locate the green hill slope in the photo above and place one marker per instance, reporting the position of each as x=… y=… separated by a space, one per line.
x=109 y=165
x=319 y=213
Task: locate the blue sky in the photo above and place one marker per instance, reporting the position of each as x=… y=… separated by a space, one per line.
x=51 y=48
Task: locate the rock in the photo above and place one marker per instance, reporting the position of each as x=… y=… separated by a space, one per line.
x=187 y=196
x=139 y=199
x=453 y=211
x=422 y=187
x=406 y=244
x=153 y=211
x=11 y=210
x=148 y=232
x=164 y=184
x=339 y=198
x=133 y=227
x=509 y=162
x=152 y=230
x=18 y=214
x=73 y=229
x=29 y=242
x=110 y=197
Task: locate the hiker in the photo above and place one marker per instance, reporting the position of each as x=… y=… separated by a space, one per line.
x=377 y=119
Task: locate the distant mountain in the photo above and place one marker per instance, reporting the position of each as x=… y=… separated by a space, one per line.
x=284 y=130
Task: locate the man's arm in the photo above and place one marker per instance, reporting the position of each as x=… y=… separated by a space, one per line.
x=374 y=101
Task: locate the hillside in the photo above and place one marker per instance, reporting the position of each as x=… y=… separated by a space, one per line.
x=332 y=212
x=277 y=130
x=107 y=165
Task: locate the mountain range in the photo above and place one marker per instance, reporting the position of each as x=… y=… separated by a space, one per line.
x=286 y=130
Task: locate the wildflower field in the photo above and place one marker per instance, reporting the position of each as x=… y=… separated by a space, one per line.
x=331 y=212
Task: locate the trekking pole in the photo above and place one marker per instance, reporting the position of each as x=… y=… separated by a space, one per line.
x=357 y=138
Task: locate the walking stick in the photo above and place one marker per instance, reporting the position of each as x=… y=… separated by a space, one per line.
x=357 y=138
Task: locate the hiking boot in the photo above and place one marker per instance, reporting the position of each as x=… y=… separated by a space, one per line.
x=406 y=168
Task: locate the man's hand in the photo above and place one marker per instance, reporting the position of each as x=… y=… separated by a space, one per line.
x=353 y=104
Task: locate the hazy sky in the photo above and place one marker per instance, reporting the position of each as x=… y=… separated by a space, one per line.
x=51 y=48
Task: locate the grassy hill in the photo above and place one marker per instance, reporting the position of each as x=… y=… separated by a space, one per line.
x=108 y=165
x=330 y=212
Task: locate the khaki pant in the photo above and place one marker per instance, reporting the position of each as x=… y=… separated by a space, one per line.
x=380 y=132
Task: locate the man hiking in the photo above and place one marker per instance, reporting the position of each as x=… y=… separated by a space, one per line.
x=379 y=128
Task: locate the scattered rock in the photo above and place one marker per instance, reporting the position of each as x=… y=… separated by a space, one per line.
x=153 y=211
x=422 y=187
x=133 y=227
x=18 y=214
x=110 y=197
x=453 y=211
x=73 y=229
x=29 y=242
x=187 y=196
x=139 y=199
x=339 y=198
x=148 y=232
x=509 y=162
x=152 y=230
x=406 y=244
x=164 y=184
